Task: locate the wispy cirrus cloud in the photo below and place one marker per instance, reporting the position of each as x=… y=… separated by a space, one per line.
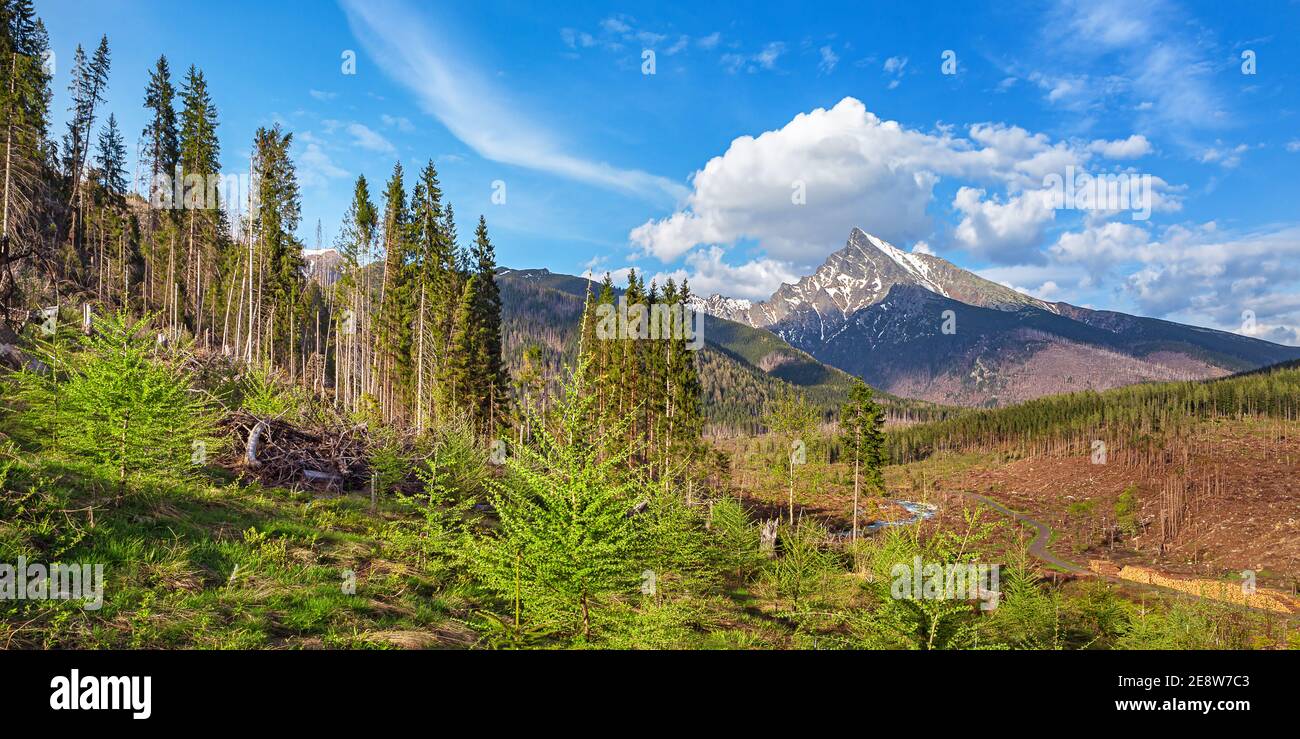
x=1167 y=65
x=473 y=108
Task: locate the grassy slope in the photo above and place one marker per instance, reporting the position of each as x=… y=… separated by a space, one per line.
x=214 y=565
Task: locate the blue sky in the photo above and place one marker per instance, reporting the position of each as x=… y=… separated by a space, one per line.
x=692 y=171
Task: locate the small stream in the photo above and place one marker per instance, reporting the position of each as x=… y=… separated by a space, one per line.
x=917 y=512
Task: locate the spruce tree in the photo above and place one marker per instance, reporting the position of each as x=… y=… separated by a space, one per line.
x=607 y=363
x=111 y=158
x=194 y=271
x=862 y=424
x=24 y=114
x=565 y=544
x=463 y=379
x=495 y=384
x=278 y=214
x=393 y=328
x=162 y=139
x=116 y=408
x=199 y=150
x=89 y=80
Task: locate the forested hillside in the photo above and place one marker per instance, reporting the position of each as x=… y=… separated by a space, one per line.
x=1132 y=415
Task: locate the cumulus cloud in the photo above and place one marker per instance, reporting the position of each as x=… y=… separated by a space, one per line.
x=1193 y=274
x=1101 y=247
x=790 y=195
x=1218 y=275
x=1002 y=231
x=709 y=273
x=1130 y=148
x=853 y=169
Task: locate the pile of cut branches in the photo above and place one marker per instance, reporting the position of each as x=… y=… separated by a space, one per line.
x=276 y=452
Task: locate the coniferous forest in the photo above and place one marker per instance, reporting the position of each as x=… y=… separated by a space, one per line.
x=411 y=445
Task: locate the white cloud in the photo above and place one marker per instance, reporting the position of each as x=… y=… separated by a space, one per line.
x=369 y=139
x=765 y=59
x=1198 y=275
x=315 y=168
x=648 y=38
x=756 y=279
x=322 y=95
x=678 y=46
x=1053 y=280
x=401 y=123
x=768 y=56
x=1101 y=247
x=471 y=106
x=1168 y=69
x=856 y=170
x=1005 y=232
x=1293 y=146
x=1049 y=290
x=828 y=60
x=895 y=64
x=574 y=39
x=615 y=24
x=1224 y=155
x=710 y=41
x=1130 y=148
x=1212 y=278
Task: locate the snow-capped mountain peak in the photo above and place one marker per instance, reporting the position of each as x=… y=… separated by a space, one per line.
x=856 y=277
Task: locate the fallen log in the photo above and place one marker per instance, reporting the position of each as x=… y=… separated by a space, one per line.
x=254 y=437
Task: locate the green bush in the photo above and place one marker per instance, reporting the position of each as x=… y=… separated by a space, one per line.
x=110 y=405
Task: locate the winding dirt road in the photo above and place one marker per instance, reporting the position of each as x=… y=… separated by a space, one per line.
x=1042 y=536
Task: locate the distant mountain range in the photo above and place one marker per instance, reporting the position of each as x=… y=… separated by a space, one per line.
x=878 y=312
x=741 y=367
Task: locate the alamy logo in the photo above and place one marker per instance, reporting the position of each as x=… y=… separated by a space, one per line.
x=95 y=693
x=1084 y=191
x=202 y=192
x=53 y=582
x=658 y=321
